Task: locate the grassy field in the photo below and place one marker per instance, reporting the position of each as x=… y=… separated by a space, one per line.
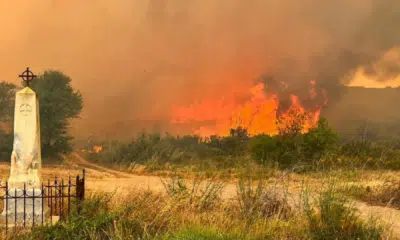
x=196 y=209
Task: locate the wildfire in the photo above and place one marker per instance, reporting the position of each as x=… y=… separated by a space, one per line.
x=258 y=113
x=97 y=149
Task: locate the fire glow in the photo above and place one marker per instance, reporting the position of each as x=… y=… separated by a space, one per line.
x=97 y=149
x=258 y=113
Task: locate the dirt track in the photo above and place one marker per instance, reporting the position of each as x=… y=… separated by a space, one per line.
x=103 y=179
x=123 y=182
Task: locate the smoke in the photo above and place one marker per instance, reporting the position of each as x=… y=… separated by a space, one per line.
x=134 y=59
x=369 y=43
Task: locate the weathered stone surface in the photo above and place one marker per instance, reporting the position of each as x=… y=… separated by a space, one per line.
x=26 y=155
x=25 y=161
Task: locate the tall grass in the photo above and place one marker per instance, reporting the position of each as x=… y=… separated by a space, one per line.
x=384 y=194
x=186 y=213
x=335 y=217
x=201 y=193
x=256 y=199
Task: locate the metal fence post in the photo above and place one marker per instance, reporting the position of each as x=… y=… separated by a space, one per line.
x=77 y=192
x=83 y=184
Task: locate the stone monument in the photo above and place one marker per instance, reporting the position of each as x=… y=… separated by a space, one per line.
x=25 y=159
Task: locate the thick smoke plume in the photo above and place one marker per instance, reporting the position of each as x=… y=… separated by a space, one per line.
x=134 y=59
x=369 y=43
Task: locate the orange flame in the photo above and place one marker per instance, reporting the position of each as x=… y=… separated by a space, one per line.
x=97 y=149
x=258 y=114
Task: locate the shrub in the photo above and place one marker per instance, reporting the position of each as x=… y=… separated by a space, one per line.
x=385 y=194
x=262 y=148
x=289 y=150
x=319 y=141
x=153 y=149
x=256 y=200
x=358 y=148
x=90 y=224
x=201 y=194
x=235 y=143
x=139 y=216
x=334 y=217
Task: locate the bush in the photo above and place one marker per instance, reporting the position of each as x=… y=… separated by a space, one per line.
x=386 y=194
x=291 y=148
x=201 y=194
x=262 y=148
x=359 y=148
x=288 y=150
x=255 y=199
x=318 y=141
x=155 y=151
x=232 y=145
x=133 y=218
x=90 y=224
x=334 y=217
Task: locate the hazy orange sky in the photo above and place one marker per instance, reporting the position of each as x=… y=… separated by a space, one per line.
x=134 y=59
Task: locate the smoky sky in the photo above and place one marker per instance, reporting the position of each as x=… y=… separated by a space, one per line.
x=362 y=43
x=135 y=59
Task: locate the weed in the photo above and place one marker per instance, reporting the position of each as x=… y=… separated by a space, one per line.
x=203 y=233
x=256 y=199
x=202 y=193
x=334 y=217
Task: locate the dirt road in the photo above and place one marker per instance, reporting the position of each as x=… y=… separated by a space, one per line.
x=103 y=179
x=124 y=182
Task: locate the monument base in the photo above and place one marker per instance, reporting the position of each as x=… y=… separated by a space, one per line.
x=30 y=180
x=31 y=210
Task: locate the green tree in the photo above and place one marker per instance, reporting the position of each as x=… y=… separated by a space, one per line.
x=6 y=145
x=7 y=96
x=58 y=103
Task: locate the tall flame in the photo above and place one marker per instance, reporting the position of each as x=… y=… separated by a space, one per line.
x=258 y=114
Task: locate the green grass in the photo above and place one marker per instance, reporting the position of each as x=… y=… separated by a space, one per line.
x=203 y=233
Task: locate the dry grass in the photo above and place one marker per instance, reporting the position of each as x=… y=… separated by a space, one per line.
x=193 y=209
x=196 y=204
x=385 y=194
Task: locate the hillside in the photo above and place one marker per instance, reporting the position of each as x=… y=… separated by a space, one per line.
x=375 y=109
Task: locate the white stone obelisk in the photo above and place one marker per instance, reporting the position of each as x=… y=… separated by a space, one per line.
x=25 y=159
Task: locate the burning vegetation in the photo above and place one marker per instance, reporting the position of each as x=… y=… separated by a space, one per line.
x=260 y=109
x=97 y=149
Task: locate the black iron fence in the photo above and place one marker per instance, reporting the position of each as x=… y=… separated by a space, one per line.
x=54 y=201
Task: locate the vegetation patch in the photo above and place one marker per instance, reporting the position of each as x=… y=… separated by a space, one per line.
x=178 y=215
x=386 y=194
